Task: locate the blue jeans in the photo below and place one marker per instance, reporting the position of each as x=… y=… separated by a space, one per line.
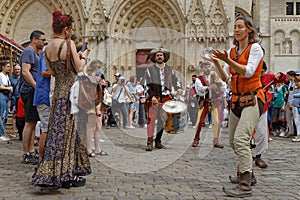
x=3 y=112
x=270 y=110
x=121 y=108
x=142 y=116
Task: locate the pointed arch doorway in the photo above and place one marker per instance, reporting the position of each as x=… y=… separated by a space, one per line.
x=147 y=37
x=139 y=26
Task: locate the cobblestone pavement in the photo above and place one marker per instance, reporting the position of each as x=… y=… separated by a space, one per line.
x=177 y=172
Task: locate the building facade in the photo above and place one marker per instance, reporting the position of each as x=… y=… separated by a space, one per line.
x=121 y=33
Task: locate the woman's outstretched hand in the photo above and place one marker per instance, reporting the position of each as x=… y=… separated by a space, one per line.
x=217 y=54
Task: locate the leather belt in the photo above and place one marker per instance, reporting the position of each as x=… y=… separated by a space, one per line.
x=244 y=93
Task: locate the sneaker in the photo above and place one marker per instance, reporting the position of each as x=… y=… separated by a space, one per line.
x=129 y=127
x=210 y=126
x=296 y=139
x=4 y=138
x=194 y=126
x=13 y=134
x=274 y=133
x=281 y=134
x=29 y=159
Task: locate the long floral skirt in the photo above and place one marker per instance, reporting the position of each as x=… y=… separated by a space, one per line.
x=64 y=155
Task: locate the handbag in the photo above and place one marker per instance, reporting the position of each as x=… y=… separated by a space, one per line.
x=107 y=99
x=115 y=102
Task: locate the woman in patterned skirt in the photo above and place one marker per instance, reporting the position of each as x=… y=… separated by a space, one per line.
x=65 y=158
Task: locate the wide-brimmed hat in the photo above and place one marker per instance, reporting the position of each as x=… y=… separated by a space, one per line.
x=164 y=51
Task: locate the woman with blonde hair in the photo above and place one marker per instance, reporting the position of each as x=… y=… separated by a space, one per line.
x=94 y=117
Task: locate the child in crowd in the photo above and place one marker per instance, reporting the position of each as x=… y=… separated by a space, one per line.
x=277 y=124
x=20 y=117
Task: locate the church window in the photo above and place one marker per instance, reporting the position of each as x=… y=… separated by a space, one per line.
x=292 y=8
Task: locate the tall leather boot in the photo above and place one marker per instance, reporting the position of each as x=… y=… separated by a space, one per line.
x=236 y=179
x=243 y=189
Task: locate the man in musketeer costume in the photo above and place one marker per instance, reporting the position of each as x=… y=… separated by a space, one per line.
x=159 y=79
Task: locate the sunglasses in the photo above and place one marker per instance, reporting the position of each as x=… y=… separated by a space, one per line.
x=44 y=40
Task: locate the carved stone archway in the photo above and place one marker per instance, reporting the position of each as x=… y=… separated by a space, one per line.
x=131 y=13
x=130 y=16
x=12 y=11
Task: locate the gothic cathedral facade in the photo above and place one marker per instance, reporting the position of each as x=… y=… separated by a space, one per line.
x=121 y=33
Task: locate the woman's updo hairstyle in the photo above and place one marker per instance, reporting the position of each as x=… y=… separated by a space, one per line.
x=60 y=21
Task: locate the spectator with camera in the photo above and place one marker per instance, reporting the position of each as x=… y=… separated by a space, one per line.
x=119 y=93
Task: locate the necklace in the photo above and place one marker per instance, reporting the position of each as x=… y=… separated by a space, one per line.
x=58 y=37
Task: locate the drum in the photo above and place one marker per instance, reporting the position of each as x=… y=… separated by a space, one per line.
x=175 y=116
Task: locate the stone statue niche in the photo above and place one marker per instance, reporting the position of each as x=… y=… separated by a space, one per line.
x=287 y=46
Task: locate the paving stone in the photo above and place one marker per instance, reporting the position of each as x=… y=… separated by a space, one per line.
x=177 y=172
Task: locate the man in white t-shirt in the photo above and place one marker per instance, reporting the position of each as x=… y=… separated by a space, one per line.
x=5 y=90
x=119 y=93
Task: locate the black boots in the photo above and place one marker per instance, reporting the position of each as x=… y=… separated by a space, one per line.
x=158 y=144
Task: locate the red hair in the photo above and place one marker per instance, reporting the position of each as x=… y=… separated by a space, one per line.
x=60 y=21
